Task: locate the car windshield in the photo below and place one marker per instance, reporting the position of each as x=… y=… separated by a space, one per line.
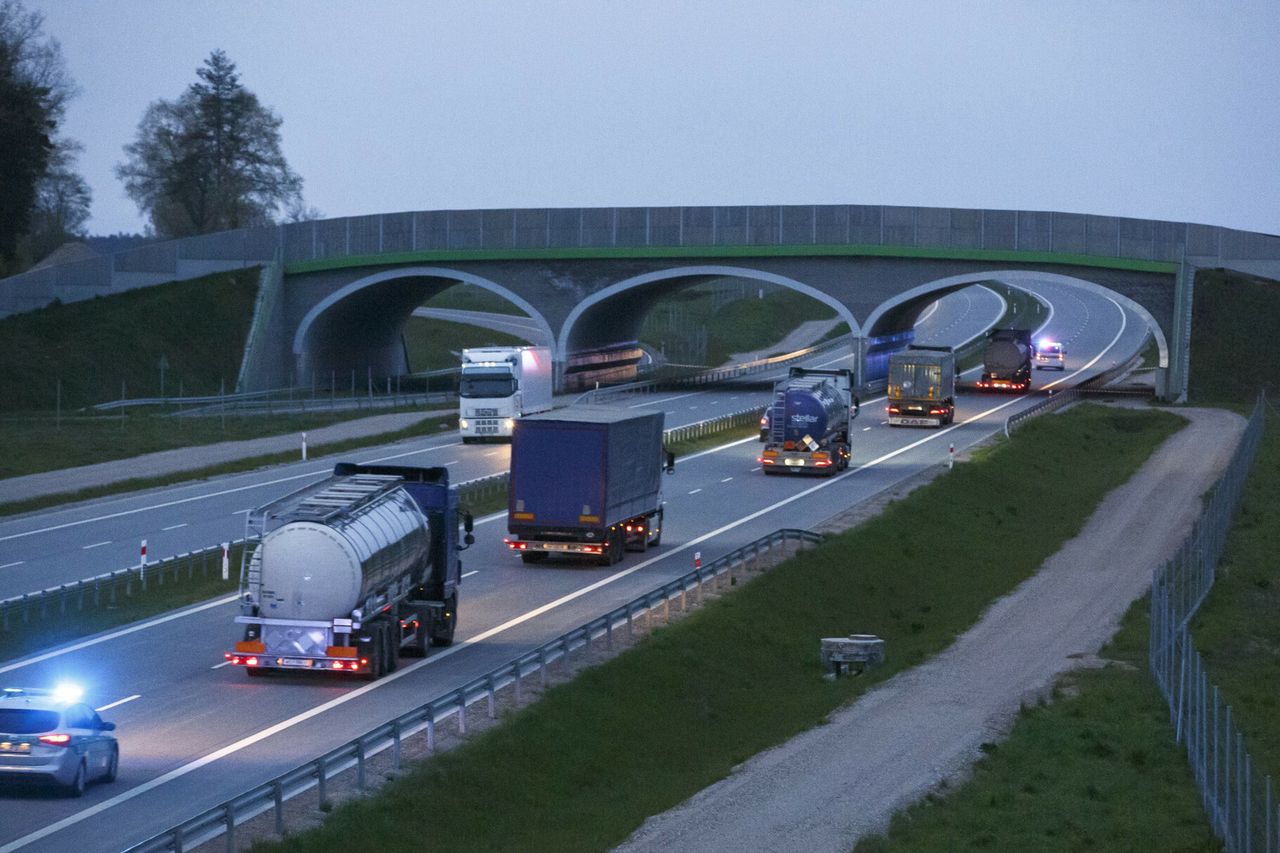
x=487 y=385
x=26 y=721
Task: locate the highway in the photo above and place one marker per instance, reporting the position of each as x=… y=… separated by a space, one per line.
x=194 y=732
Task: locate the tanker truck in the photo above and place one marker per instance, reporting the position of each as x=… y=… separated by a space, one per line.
x=809 y=422
x=922 y=386
x=1006 y=362
x=349 y=573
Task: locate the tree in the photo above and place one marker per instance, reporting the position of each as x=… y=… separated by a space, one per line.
x=210 y=160
x=34 y=90
x=61 y=204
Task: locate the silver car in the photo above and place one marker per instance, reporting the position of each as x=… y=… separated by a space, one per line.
x=46 y=737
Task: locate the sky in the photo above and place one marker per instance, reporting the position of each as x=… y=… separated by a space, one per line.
x=1166 y=109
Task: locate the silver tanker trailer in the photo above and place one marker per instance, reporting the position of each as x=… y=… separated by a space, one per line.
x=348 y=574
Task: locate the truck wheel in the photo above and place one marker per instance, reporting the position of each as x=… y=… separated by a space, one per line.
x=375 y=651
x=443 y=635
x=533 y=556
x=467 y=439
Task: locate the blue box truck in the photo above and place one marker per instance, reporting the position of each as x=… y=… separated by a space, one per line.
x=586 y=481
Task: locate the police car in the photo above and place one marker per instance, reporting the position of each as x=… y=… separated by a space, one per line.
x=51 y=737
x=1050 y=355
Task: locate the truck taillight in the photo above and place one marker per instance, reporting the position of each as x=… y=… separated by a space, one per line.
x=893 y=410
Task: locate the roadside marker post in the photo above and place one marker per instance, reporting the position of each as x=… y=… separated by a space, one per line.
x=951 y=457
x=697 y=559
x=142 y=564
x=226 y=560
x=304 y=452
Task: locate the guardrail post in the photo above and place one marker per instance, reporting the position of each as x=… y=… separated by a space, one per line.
x=608 y=632
x=431 y=730
x=277 y=794
x=462 y=714
x=516 y=684
x=542 y=667
x=684 y=603
x=631 y=631
x=229 y=818
x=395 y=746
x=175 y=840
x=493 y=711
x=323 y=800
x=360 y=764
x=666 y=609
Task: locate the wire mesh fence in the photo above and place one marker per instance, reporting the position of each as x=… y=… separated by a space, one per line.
x=1237 y=796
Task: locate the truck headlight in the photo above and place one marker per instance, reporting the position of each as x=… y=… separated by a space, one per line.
x=462 y=423
x=511 y=423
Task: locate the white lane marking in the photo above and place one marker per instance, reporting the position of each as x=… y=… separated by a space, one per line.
x=866 y=429
x=94 y=545
x=493 y=453
x=176 y=526
x=693 y=407
x=242 y=512
x=726 y=479
x=7 y=565
x=695 y=491
x=484 y=635
x=470 y=573
x=315 y=474
x=118 y=703
x=670 y=412
x=221 y=665
x=452 y=462
x=757 y=468
x=132 y=629
x=666 y=399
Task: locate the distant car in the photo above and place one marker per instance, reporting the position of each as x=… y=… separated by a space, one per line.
x=1050 y=355
x=50 y=737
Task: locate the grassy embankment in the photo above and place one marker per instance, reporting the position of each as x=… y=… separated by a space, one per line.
x=582 y=767
x=1101 y=733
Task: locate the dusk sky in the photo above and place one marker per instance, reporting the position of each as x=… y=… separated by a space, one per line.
x=1161 y=109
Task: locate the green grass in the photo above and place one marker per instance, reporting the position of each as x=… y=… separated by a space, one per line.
x=582 y=768
x=426 y=427
x=199 y=327
x=470 y=297
x=36 y=445
x=1234 y=352
x=432 y=344
x=199 y=582
x=1094 y=769
x=694 y=326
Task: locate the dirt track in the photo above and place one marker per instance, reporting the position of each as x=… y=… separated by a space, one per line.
x=830 y=786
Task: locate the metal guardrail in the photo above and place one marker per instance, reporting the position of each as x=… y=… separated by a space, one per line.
x=105 y=590
x=225 y=817
x=1236 y=796
x=707 y=377
x=1056 y=400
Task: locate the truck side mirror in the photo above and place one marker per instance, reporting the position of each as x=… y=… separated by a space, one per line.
x=670 y=466
x=856 y=405
x=468 y=523
x=468 y=540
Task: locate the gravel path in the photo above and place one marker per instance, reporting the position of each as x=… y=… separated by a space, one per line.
x=832 y=785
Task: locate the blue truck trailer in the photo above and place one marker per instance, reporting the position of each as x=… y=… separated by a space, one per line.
x=586 y=481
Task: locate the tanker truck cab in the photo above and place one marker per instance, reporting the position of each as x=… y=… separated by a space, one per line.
x=809 y=423
x=348 y=574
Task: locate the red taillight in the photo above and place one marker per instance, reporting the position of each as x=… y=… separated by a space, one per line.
x=55 y=740
x=893 y=410
x=764 y=461
x=251 y=661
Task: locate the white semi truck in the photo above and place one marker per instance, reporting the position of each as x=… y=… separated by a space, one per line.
x=499 y=385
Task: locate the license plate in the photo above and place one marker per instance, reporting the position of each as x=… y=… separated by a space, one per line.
x=556 y=547
x=10 y=746
x=795 y=463
x=296 y=662
x=917 y=421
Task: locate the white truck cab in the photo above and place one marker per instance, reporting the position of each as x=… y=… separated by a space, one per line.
x=499 y=385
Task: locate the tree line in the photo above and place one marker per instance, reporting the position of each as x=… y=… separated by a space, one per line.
x=207 y=160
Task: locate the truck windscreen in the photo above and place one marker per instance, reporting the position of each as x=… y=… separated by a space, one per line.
x=493 y=384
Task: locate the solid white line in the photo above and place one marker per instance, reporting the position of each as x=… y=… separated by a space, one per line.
x=176 y=526
x=470 y=573
x=118 y=702
x=7 y=565
x=321 y=473
x=695 y=491
x=94 y=545
x=866 y=429
x=484 y=635
x=726 y=479
x=132 y=629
